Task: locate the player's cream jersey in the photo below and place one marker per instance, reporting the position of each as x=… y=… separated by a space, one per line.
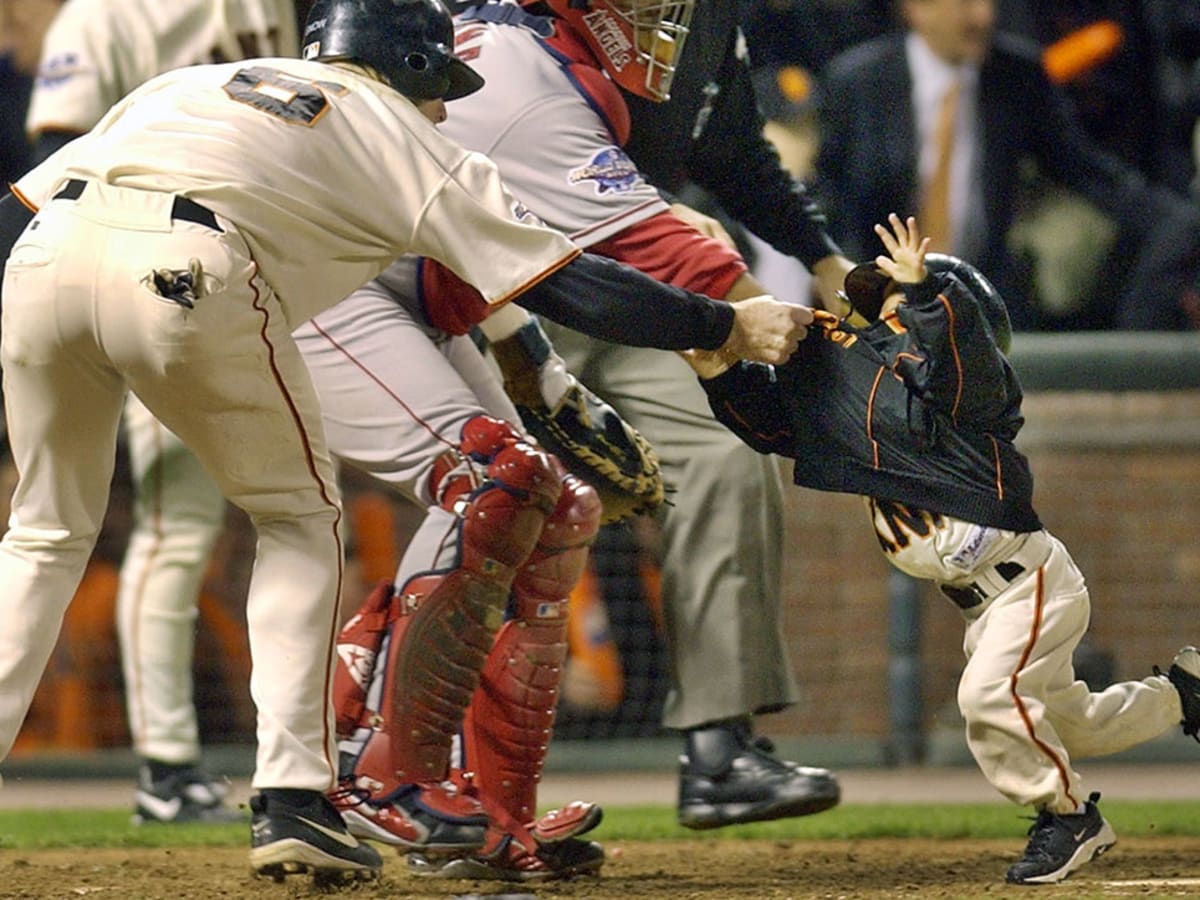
x=97 y=51
x=327 y=174
x=556 y=153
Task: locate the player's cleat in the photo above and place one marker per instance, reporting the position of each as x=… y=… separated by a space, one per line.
x=1185 y=675
x=431 y=818
x=296 y=831
x=728 y=777
x=1060 y=844
x=170 y=794
x=509 y=861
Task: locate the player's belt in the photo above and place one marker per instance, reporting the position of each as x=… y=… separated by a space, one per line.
x=989 y=582
x=182 y=208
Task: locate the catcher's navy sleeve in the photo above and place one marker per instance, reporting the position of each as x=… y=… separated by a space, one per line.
x=614 y=302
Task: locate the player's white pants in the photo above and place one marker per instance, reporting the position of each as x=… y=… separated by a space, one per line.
x=178 y=512
x=722 y=545
x=79 y=330
x=1026 y=713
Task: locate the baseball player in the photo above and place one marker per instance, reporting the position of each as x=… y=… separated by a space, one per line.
x=918 y=411
x=721 y=547
x=551 y=118
x=95 y=52
x=171 y=256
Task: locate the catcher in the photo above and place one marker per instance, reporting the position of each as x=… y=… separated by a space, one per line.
x=917 y=411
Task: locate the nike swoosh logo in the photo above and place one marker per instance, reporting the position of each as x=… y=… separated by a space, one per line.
x=1082 y=832
x=159 y=808
x=346 y=840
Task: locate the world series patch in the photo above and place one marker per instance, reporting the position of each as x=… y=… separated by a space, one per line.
x=609 y=170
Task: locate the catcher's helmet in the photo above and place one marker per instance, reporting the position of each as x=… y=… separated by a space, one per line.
x=637 y=41
x=867 y=286
x=409 y=42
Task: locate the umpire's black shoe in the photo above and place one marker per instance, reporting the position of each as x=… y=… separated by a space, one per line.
x=295 y=831
x=1060 y=844
x=1185 y=675
x=727 y=777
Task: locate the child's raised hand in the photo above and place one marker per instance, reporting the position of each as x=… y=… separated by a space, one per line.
x=907 y=249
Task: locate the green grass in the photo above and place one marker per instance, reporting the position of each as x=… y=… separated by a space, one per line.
x=59 y=828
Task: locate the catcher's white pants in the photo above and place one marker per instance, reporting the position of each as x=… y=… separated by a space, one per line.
x=1026 y=713
x=80 y=328
x=178 y=512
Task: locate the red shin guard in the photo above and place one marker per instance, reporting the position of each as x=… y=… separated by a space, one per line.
x=510 y=720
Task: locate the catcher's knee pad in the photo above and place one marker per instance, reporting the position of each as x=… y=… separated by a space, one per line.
x=511 y=717
x=503 y=508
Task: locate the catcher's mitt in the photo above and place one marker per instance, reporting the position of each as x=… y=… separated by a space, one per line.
x=586 y=434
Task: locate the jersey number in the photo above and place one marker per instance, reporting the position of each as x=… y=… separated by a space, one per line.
x=295 y=100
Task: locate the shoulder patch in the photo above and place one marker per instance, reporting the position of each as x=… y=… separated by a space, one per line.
x=610 y=170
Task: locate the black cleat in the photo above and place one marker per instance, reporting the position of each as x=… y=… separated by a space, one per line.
x=1060 y=844
x=1185 y=675
x=170 y=794
x=296 y=831
x=727 y=777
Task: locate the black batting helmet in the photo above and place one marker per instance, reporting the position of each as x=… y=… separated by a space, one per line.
x=867 y=286
x=409 y=42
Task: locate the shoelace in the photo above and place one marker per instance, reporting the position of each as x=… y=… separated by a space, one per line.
x=1041 y=832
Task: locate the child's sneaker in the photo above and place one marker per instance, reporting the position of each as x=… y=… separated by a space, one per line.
x=1060 y=844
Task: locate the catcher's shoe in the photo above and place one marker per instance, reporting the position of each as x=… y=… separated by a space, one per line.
x=506 y=860
x=433 y=818
x=728 y=777
x=1060 y=844
x=296 y=831
x=1185 y=675
x=179 y=793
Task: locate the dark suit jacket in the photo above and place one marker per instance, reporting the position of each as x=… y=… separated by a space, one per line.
x=867 y=163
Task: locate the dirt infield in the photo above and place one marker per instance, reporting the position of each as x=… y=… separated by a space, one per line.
x=722 y=870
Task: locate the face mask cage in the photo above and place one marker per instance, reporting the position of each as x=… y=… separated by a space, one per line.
x=659 y=29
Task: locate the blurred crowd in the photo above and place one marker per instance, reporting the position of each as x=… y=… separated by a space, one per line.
x=1080 y=198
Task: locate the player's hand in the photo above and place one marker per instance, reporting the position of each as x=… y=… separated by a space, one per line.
x=706 y=225
x=906 y=264
x=766 y=330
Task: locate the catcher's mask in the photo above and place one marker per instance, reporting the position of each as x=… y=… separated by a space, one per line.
x=867 y=286
x=408 y=42
x=637 y=41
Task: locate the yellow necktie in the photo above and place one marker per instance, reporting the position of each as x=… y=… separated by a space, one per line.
x=934 y=218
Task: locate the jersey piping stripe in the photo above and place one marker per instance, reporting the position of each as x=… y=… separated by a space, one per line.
x=957 y=360
x=999 y=468
x=541 y=276
x=323 y=490
x=1039 y=607
x=25 y=201
x=581 y=236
